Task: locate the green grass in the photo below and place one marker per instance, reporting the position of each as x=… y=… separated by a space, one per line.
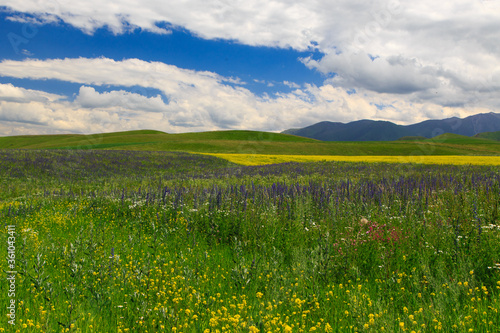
x=246 y=142
x=412 y=138
x=489 y=135
x=132 y=241
x=104 y=145
x=78 y=140
x=460 y=139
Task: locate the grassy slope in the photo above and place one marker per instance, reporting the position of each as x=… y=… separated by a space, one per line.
x=253 y=142
x=489 y=135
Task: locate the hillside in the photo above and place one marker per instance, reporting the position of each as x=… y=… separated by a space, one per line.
x=252 y=142
x=371 y=130
x=489 y=135
x=143 y=137
x=451 y=138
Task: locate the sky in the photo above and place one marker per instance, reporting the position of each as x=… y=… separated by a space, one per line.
x=269 y=65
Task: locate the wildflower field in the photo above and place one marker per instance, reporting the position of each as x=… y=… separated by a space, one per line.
x=131 y=241
x=263 y=159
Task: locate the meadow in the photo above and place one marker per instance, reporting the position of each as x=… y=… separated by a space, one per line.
x=255 y=142
x=263 y=159
x=138 y=241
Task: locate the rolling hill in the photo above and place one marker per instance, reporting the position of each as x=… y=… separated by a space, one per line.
x=489 y=135
x=371 y=130
x=253 y=142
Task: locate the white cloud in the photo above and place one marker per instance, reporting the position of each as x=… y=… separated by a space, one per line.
x=65 y=117
x=10 y=93
x=384 y=75
x=291 y=84
x=417 y=48
x=30 y=113
x=89 y=98
x=196 y=101
x=249 y=22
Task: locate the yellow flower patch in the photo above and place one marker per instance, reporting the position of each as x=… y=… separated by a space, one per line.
x=257 y=159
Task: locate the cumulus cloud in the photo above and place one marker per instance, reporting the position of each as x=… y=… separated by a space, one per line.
x=249 y=22
x=443 y=53
x=66 y=117
x=195 y=100
x=10 y=93
x=384 y=75
x=88 y=97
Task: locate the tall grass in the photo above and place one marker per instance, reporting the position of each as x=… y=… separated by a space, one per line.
x=147 y=242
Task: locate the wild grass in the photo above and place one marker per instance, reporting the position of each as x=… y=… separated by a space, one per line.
x=148 y=242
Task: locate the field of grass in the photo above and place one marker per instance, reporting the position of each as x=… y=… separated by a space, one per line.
x=252 y=142
x=489 y=135
x=136 y=241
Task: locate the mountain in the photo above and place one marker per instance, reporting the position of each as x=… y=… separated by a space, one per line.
x=372 y=130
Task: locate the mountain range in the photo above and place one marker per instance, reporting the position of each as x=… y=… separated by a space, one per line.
x=374 y=130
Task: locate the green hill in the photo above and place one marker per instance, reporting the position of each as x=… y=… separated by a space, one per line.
x=149 y=138
x=252 y=142
x=77 y=140
x=489 y=135
x=412 y=138
x=460 y=139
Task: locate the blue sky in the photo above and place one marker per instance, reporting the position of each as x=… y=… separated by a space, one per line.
x=260 y=65
x=261 y=69
x=228 y=58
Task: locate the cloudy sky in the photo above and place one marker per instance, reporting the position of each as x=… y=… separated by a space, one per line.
x=198 y=65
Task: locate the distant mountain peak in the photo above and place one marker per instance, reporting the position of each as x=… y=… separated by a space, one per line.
x=380 y=130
